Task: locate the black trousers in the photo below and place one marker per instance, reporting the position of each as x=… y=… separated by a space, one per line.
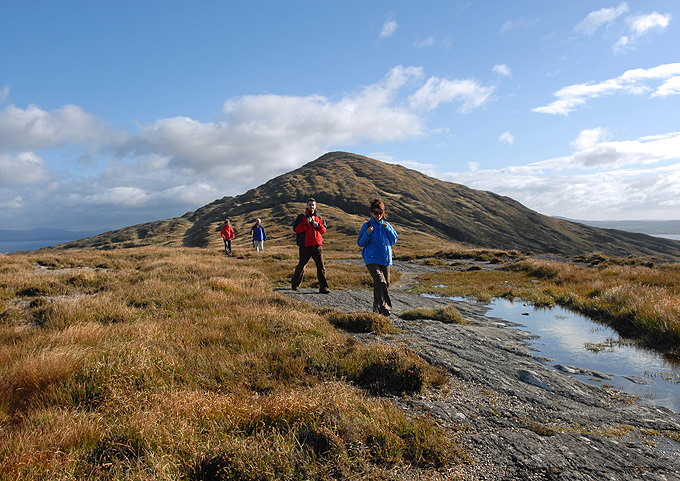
x=381 y=281
x=306 y=253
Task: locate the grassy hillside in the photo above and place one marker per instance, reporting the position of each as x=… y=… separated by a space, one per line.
x=183 y=363
x=437 y=211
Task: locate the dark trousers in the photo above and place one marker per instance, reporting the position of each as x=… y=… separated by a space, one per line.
x=381 y=281
x=306 y=253
x=227 y=246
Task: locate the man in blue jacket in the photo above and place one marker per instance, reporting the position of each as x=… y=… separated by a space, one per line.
x=376 y=238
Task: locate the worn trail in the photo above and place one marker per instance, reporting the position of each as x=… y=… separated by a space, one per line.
x=518 y=418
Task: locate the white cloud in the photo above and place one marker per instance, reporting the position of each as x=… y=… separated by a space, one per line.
x=388 y=29
x=4 y=93
x=274 y=133
x=262 y=133
x=594 y=153
x=25 y=168
x=669 y=87
x=502 y=70
x=524 y=22
x=622 y=44
x=507 y=138
x=589 y=138
x=597 y=18
x=118 y=196
x=620 y=180
x=33 y=128
x=428 y=42
x=177 y=164
x=639 y=26
x=632 y=82
x=436 y=90
x=12 y=204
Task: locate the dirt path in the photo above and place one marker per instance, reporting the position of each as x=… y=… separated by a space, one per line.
x=518 y=418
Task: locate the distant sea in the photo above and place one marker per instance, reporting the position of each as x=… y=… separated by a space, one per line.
x=28 y=240
x=668 y=236
x=16 y=246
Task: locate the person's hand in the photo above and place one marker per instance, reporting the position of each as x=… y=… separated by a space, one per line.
x=370 y=228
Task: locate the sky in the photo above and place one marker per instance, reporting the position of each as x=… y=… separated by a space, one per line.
x=119 y=113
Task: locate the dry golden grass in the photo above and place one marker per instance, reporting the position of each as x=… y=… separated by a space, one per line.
x=160 y=363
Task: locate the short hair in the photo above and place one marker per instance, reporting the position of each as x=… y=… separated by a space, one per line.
x=311 y=199
x=378 y=204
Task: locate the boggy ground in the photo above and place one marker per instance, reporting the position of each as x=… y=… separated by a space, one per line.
x=516 y=417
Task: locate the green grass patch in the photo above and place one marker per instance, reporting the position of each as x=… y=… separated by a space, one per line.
x=448 y=314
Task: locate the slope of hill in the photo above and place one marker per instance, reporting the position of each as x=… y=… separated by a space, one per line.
x=344 y=183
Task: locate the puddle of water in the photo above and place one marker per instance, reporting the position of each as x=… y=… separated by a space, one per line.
x=569 y=339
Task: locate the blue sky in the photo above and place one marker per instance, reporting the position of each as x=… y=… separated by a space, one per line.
x=117 y=113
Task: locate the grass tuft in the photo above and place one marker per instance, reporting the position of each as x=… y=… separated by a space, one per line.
x=390 y=370
x=362 y=322
x=448 y=314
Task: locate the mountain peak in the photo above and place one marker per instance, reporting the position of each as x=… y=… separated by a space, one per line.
x=345 y=183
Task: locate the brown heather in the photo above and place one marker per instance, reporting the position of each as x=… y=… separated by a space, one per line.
x=157 y=363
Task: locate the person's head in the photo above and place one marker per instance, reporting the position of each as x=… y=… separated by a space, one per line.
x=258 y=222
x=311 y=204
x=226 y=221
x=378 y=209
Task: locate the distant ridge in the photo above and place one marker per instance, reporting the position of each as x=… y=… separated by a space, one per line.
x=344 y=183
x=651 y=227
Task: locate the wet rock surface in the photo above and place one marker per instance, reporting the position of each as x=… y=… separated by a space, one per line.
x=515 y=415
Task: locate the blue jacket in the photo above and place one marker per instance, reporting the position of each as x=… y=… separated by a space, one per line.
x=377 y=245
x=258 y=233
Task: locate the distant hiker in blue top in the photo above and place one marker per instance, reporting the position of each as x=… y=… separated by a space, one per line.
x=259 y=236
x=376 y=238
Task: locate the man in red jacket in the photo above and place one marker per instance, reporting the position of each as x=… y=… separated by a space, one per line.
x=309 y=228
x=227 y=233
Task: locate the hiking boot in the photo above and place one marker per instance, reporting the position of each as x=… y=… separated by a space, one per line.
x=325 y=291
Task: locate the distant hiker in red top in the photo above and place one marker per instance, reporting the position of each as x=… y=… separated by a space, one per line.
x=227 y=234
x=309 y=228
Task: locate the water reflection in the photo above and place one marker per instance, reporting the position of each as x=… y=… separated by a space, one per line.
x=569 y=339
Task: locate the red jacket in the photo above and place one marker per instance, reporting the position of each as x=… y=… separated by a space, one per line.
x=227 y=232
x=304 y=230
